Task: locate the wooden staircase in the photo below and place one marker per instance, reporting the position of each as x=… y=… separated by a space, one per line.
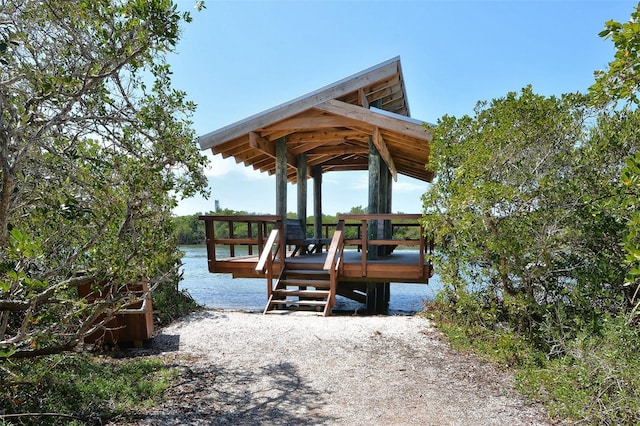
x=301 y=287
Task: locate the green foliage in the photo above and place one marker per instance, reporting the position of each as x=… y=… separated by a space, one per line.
x=96 y=146
x=471 y=325
x=92 y=390
x=189 y=229
x=171 y=303
x=525 y=210
x=535 y=215
x=621 y=81
x=596 y=382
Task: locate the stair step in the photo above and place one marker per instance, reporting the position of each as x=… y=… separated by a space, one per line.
x=304 y=283
x=289 y=302
x=301 y=293
x=314 y=272
x=313 y=312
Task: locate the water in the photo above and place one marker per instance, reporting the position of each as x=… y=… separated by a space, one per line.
x=221 y=291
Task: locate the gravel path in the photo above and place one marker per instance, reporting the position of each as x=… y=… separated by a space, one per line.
x=248 y=369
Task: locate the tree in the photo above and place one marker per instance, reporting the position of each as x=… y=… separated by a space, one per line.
x=95 y=146
x=520 y=210
x=621 y=82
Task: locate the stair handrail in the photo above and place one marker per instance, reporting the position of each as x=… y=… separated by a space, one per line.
x=265 y=262
x=332 y=263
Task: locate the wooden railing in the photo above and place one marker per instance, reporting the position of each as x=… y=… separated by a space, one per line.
x=328 y=227
x=273 y=249
x=370 y=245
x=253 y=234
x=334 y=261
x=244 y=231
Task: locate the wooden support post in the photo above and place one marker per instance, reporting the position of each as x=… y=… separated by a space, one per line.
x=374 y=197
x=376 y=296
x=302 y=190
x=317 y=201
x=371 y=297
x=281 y=180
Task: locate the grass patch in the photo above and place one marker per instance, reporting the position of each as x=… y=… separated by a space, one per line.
x=593 y=381
x=85 y=389
x=597 y=379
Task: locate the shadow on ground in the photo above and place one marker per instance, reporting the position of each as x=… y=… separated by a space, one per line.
x=270 y=395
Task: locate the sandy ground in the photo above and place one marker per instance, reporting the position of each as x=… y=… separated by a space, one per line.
x=248 y=369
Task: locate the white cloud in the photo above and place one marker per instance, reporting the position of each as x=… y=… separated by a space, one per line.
x=411 y=185
x=220 y=167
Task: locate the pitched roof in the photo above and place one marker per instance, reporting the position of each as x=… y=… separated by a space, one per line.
x=332 y=125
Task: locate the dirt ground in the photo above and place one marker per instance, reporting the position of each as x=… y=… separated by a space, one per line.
x=250 y=369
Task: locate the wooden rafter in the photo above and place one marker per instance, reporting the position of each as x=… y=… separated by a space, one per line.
x=327 y=136
x=340 y=150
x=258 y=142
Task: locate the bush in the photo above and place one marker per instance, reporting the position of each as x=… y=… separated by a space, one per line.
x=78 y=389
x=596 y=382
x=592 y=378
x=170 y=303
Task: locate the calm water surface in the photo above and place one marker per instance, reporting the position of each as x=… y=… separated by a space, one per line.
x=221 y=291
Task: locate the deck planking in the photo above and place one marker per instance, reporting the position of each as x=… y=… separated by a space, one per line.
x=400 y=266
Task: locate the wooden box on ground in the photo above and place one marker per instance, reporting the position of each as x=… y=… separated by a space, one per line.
x=132 y=324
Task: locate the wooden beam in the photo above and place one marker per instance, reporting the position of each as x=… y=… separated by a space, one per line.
x=301 y=124
x=327 y=136
x=258 y=142
x=378 y=141
x=364 y=115
x=374 y=197
x=364 y=102
x=339 y=150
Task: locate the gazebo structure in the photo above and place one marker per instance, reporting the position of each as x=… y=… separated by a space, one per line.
x=359 y=123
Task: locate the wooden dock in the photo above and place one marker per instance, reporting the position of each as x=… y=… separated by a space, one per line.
x=307 y=273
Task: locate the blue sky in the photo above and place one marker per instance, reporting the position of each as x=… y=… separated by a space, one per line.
x=238 y=58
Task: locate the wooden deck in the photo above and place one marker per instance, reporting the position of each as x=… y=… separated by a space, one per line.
x=400 y=266
x=309 y=272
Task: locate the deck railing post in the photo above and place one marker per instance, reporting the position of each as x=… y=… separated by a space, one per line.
x=262 y=231
x=364 y=242
x=211 y=244
x=283 y=242
x=422 y=246
x=232 y=247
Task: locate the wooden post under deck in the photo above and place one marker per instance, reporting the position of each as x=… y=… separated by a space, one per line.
x=376 y=297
